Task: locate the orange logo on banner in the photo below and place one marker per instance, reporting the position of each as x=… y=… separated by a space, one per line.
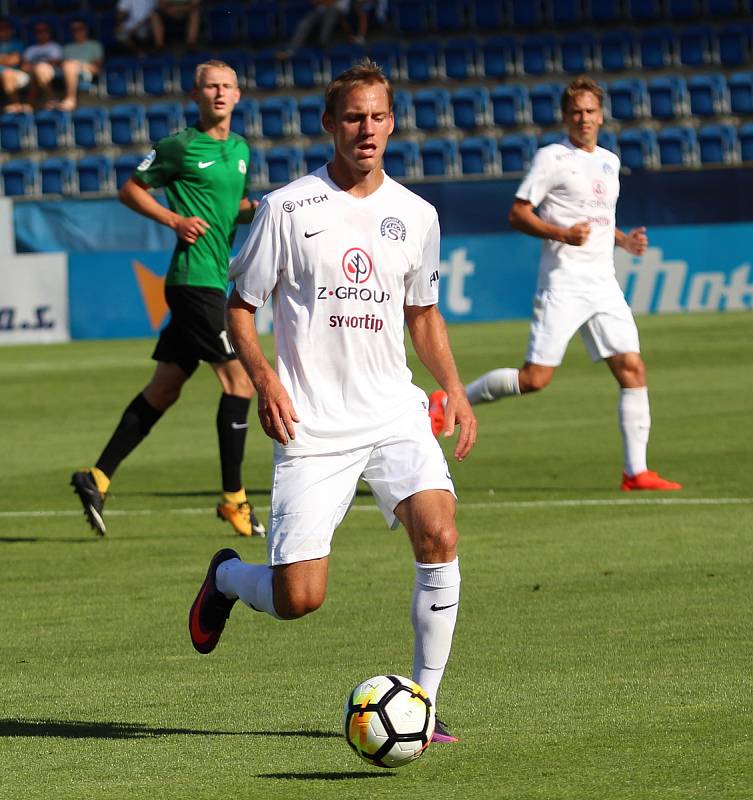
x=153 y=291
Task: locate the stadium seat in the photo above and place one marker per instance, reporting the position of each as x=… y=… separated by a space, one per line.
x=618 y=49
x=499 y=57
x=310 y=110
x=389 y=55
x=90 y=126
x=424 y=61
x=225 y=23
x=678 y=146
x=246 y=120
x=545 y=103
x=127 y=124
x=479 y=156
x=411 y=17
x=696 y=45
x=644 y=10
x=539 y=55
x=94 y=173
x=517 y=150
x=740 y=86
x=158 y=75
x=164 y=119
x=402 y=159
x=279 y=117
x=270 y=72
x=526 y=14
x=186 y=65
x=289 y=14
x=684 y=9
x=608 y=140
x=510 y=105
x=124 y=166
x=53 y=128
x=122 y=77
x=718 y=144
x=638 y=148
x=402 y=109
x=462 y=58
x=550 y=137
x=668 y=97
x=745 y=138
x=451 y=16
x=656 y=46
x=56 y=175
x=190 y=113
x=284 y=163
x=20 y=177
x=257 y=167
x=432 y=108
x=107 y=24
x=471 y=107
x=242 y=61
x=577 y=52
x=307 y=67
x=716 y=9
x=605 y=11
x=317 y=155
x=735 y=43
x=563 y=12
x=262 y=23
x=628 y=98
x=343 y=56
x=708 y=95
x=487 y=15
x=440 y=157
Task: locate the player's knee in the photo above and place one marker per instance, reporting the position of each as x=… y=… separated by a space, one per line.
x=533 y=381
x=437 y=544
x=298 y=605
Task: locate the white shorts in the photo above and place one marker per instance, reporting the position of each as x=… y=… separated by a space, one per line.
x=604 y=320
x=311 y=494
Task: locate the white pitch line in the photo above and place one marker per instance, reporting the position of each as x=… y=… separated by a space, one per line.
x=645 y=501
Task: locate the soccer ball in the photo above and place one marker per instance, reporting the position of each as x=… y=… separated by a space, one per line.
x=388 y=720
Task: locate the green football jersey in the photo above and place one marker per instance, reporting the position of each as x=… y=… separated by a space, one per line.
x=202 y=177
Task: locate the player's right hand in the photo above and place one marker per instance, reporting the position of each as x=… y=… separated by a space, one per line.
x=578 y=234
x=189 y=229
x=276 y=412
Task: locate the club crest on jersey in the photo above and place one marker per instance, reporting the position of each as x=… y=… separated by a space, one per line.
x=147 y=162
x=392 y=228
x=357 y=265
x=241 y=166
x=599 y=188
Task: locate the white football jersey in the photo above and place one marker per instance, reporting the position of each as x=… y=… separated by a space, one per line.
x=340 y=269
x=568 y=184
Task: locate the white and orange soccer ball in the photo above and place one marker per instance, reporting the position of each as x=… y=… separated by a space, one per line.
x=388 y=720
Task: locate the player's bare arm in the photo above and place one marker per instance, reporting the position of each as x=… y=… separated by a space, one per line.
x=634 y=241
x=136 y=196
x=428 y=333
x=523 y=218
x=276 y=412
x=246 y=211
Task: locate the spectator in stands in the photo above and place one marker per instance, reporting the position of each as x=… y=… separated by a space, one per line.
x=170 y=11
x=135 y=26
x=82 y=62
x=12 y=77
x=325 y=15
x=41 y=61
x=366 y=12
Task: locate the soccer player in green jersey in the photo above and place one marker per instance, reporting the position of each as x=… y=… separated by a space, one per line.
x=203 y=172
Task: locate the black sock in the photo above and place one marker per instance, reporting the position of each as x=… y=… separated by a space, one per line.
x=232 y=424
x=134 y=425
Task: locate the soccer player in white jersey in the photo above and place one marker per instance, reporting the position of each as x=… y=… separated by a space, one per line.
x=574 y=184
x=348 y=256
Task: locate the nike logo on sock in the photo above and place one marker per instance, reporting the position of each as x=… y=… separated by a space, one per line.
x=237 y=426
x=435 y=607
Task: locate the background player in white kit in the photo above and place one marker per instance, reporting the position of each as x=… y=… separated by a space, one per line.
x=349 y=256
x=575 y=185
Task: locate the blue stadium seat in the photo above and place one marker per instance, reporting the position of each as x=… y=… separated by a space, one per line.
x=270 y=72
x=638 y=148
x=545 y=103
x=718 y=144
x=440 y=157
x=124 y=166
x=246 y=120
x=262 y=23
x=577 y=52
x=471 y=107
x=479 y=156
x=657 y=47
x=668 y=97
x=307 y=67
x=526 y=14
x=489 y=15
x=122 y=76
x=735 y=42
x=721 y=8
x=644 y=10
x=225 y=23
x=20 y=177
x=164 y=119
x=708 y=94
x=510 y=105
x=90 y=126
x=451 y=16
x=608 y=140
x=289 y=14
x=310 y=110
x=284 y=163
x=402 y=159
x=628 y=98
x=317 y=155
x=618 y=49
x=242 y=61
x=56 y=175
x=550 y=137
x=127 y=124
x=158 y=75
x=678 y=146
x=186 y=65
x=389 y=55
x=257 y=167
x=462 y=58
x=411 y=16
x=107 y=25
x=432 y=108
x=516 y=151
x=500 y=57
x=340 y=57
x=563 y=12
x=53 y=129
x=684 y=9
x=696 y=45
x=605 y=11
x=190 y=113
x=279 y=117
x=424 y=61
x=402 y=109
x=539 y=54
x=94 y=173
x=740 y=85
x=745 y=138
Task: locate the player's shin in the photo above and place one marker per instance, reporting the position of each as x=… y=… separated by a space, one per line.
x=635 y=425
x=232 y=425
x=135 y=424
x=436 y=596
x=493 y=385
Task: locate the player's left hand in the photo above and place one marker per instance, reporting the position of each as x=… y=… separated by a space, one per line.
x=636 y=241
x=458 y=411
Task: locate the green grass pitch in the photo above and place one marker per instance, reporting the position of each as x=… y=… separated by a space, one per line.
x=604 y=643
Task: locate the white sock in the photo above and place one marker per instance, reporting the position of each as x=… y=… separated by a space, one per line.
x=252 y=583
x=635 y=425
x=495 y=384
x=436 y=595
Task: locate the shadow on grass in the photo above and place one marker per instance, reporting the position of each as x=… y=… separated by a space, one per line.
x=46 y=540
x=214 y=493
x=324 y=776
x=79 y=729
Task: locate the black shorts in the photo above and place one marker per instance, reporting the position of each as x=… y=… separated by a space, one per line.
x=196 y=330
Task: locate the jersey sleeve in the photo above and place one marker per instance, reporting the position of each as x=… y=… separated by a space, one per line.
x=540 y=179
x=162 y=165
x=255 y=268
x=422 y=283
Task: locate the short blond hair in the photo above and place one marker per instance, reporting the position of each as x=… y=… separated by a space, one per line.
x=211 y=64
x=365 y=73
x=579 y=85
